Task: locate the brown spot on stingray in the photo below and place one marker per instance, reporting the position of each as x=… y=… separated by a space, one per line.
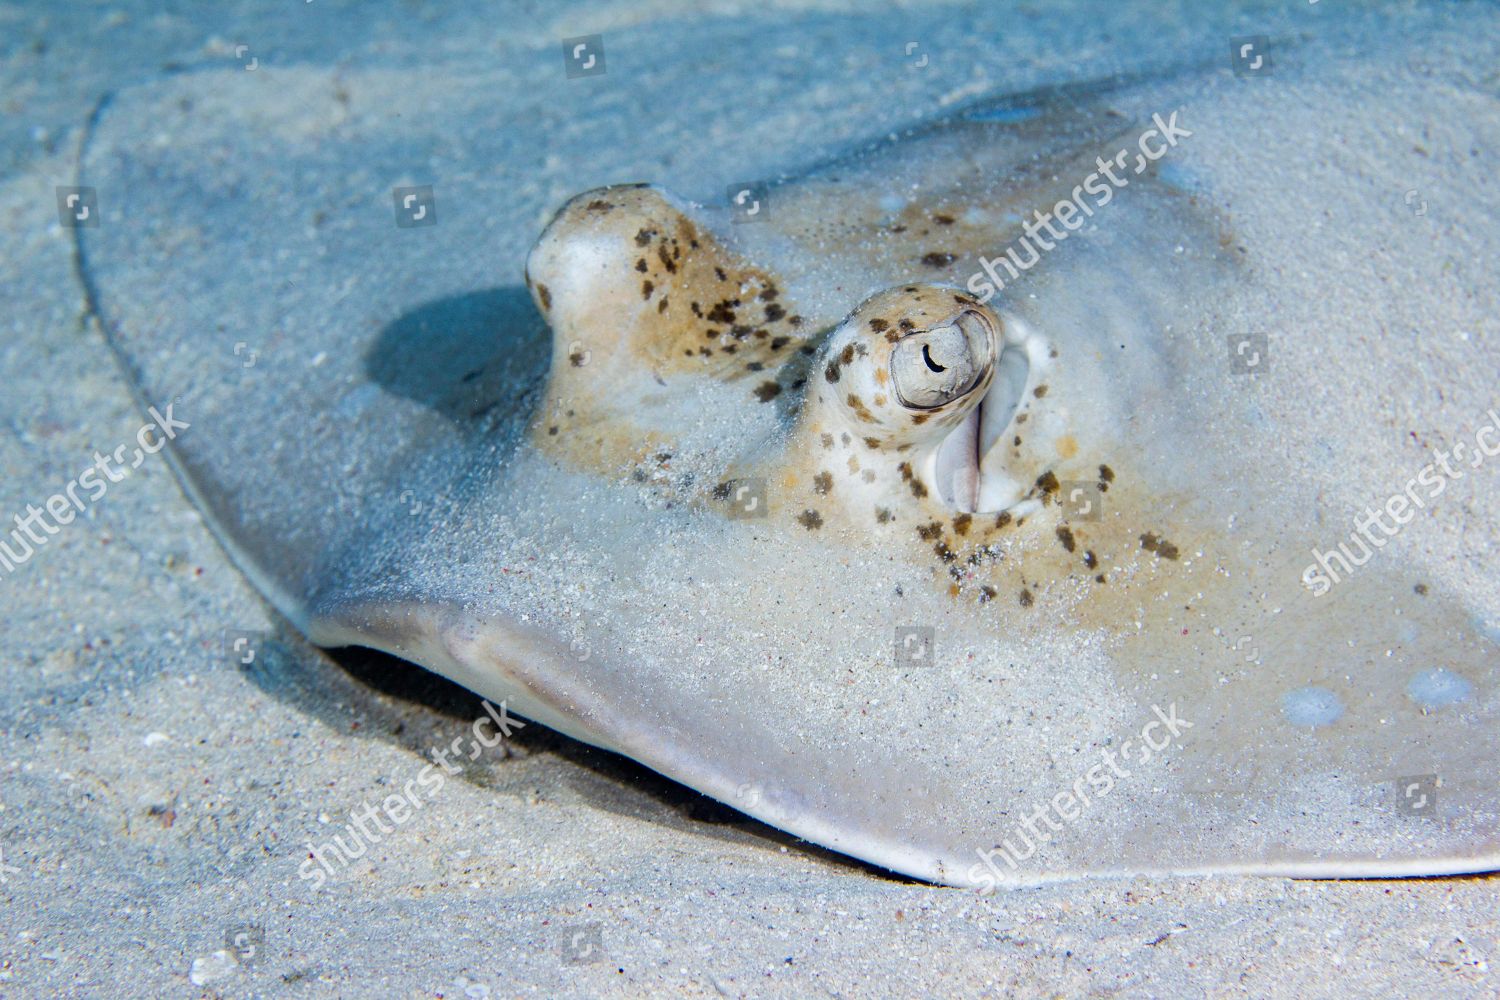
x=598 y=205
x=961 y=524
x=827 y=440
x=1040 y=391
x=640 y=265
x=1420 y=589
x=930 y=532
x=919 y=418
x=938 y=259
x=831 y=373
x=879 y=325
x=1106 y=474
x=883 y=515
x=872 y=442
x=1047 y=483
x=667 y=261
x=944 y=553
x=861 y=411
x=767 y=391
x=846 y=356
x=1090 y=560
x=545 y=295
x=986 y=594
x=810 y=519
x=1026 y=599
x=643 y=237
x=1154 y=543
x=823 y=483
x=1003 y=518
x=774 y=312
x=777 y=343
x=1065 y=535
x=647 y=287
x=943 y=219
x=755 y=366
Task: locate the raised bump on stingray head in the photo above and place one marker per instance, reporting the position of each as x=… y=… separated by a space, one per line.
x=627 y=277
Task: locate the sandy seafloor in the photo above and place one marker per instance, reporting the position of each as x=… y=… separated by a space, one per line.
x=155 y=798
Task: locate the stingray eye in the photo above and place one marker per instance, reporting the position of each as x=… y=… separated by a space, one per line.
x=930 y=368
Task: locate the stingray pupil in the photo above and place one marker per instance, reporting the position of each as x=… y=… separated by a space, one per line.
x=931 y=364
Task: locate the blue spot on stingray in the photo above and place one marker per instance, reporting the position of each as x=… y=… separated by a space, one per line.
x=1179 y=177
x=1437 y=688
x=1311 y=706
x=1490 y=630
x=1005 y=116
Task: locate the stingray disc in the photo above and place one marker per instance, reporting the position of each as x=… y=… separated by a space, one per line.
x=987 y=549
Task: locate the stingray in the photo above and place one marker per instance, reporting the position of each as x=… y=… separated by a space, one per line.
x=950 y=500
